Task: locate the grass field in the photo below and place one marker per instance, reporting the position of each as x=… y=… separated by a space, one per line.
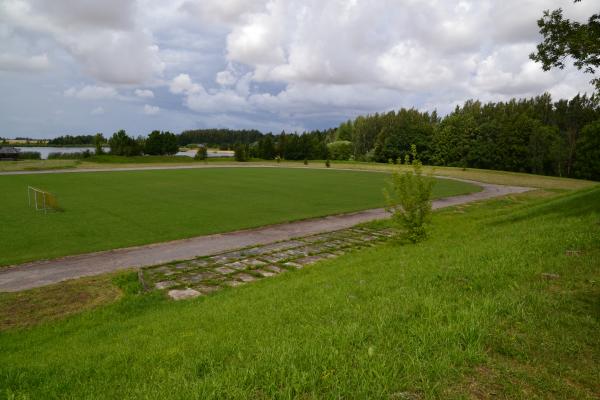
x=481 y=175
x=107 y=161
x=468 y=313
x=108 y=210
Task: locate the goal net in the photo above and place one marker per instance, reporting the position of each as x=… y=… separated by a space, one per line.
x=41 y=200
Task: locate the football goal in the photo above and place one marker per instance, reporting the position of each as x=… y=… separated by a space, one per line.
x=42 y=200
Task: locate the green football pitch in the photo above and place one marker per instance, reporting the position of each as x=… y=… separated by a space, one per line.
x=107 y=210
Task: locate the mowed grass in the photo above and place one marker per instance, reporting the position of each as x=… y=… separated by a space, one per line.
x=468 y=313
x=107 y=210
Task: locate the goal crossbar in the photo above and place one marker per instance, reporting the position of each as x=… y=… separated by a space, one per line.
x=42 y=200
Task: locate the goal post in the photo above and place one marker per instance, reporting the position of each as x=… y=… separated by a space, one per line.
x=42 y=200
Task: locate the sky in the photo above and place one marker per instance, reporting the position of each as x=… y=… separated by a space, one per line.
x=87 y=66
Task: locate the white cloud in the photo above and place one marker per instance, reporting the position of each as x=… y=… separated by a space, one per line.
x=257 y=42
x=92 y=93
x=409 y=66
x=151 y=110
x=103 y=37
x=97 y=111
x=225 y=78
x=144 y=93
x=182 y=84
x=20 y=63
x=122 y=58
x=269 y=63
x=221 y=11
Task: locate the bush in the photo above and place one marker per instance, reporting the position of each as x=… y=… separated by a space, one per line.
x=327 y=163
x=305 y=161
x=587 y=164
x=241 y=152
x=29 y=155
x=70 y=156
x=409 y=199
x=123 y=145
x=98 y=142
x=340 y=150
x=201 y=153
x=161 y=143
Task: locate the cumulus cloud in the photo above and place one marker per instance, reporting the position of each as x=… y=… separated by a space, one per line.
x=144 y=93
x=103 y=37
x=292 y=63
x=332 y=60
x=221 y=11
x=92 y=92
x=182 y=84
x=225 y=78
x=151 y=110
x=118 y=57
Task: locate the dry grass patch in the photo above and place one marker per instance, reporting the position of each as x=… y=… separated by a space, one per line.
x=49 y=303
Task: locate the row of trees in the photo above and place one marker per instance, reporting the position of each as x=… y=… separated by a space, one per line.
x=309 y=145
x=533 y=135
x=223 y=138
x=157 y=143
x=69 y=140
x=529 y=135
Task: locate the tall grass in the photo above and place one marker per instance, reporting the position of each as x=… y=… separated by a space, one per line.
x=78 y=155
x=471 y=312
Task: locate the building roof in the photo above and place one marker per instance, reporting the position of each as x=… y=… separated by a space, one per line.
x=8 y=150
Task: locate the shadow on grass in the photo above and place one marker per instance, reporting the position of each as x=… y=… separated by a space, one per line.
x=578 y=204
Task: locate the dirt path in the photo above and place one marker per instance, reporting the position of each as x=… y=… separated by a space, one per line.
x=40 y=273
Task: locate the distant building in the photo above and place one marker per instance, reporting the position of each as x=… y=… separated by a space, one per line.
x=8 y=153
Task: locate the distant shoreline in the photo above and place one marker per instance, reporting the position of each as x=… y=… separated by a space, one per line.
x=91 y=146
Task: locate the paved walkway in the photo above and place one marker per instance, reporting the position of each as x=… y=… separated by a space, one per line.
x=40 y=273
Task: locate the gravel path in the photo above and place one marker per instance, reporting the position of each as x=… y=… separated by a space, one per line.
x=40 y=273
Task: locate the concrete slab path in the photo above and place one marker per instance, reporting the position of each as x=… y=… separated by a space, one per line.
x=45 y=272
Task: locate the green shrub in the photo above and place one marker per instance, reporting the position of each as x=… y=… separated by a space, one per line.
x=123 y=145
x=327 y=163
x=30 y=155
x=587 y=164
x=161 y=143
x=340 y=150
x=409 y=199
x=98 y=142
x=201 y=153
x=241 y=152
x=70 y=156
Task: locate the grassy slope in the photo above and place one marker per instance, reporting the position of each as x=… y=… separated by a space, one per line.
x=118 y=209
x=466 y=313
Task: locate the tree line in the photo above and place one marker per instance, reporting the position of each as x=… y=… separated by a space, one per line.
x=157 y=143
x=72 y=140
x=225 y=139
x=534 y=135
